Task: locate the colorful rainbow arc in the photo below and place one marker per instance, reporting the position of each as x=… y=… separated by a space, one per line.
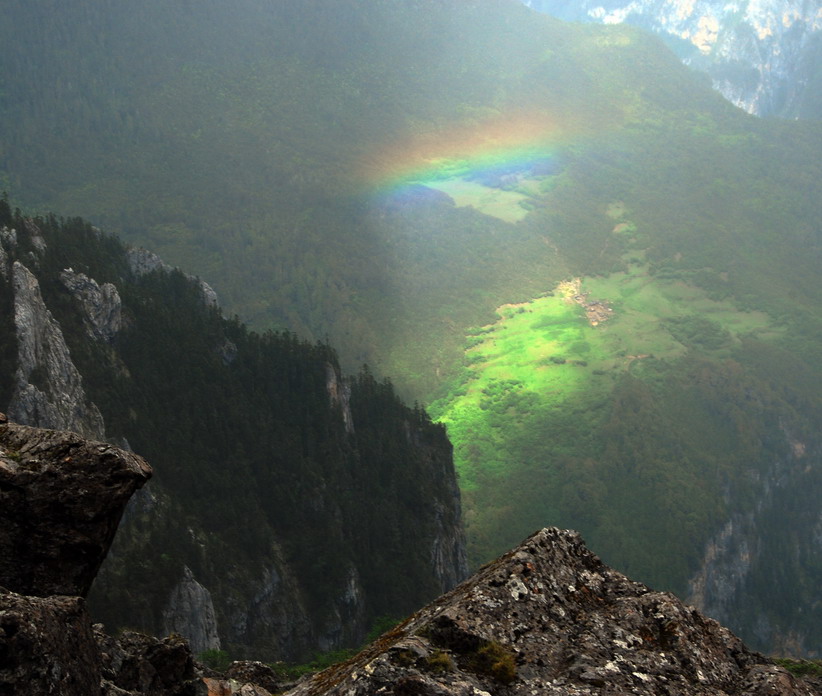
x=468 y=151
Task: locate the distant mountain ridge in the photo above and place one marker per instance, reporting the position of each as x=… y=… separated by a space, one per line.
x=763 y=56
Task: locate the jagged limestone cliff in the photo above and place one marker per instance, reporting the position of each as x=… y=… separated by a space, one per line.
x=291 y=507
x=49 y=390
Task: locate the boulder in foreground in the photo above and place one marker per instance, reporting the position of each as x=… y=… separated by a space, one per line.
x=61 y=499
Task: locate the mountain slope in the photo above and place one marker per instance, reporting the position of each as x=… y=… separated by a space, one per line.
x=762 y=56
x=389 y=174
x=280 y=518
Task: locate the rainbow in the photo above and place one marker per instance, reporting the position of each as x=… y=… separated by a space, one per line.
x=513 y=142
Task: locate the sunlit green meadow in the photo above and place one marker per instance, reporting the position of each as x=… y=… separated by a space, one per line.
x=535 y=385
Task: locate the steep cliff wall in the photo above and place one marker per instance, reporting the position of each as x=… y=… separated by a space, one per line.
x=291 y=507
x=48 y=388
x=775 y=545
x=762 y=55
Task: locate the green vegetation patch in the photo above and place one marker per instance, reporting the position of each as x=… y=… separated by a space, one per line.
x=508 y=205
x=528 y=414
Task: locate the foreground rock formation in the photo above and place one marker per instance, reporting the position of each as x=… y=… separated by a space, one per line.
x=61 y=499
x=550 y=618
x=547 y=618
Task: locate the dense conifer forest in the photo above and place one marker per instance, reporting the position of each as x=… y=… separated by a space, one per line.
x=251 y=451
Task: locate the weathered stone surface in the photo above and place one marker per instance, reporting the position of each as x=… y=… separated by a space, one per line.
x=46 y=647
x=143 y=261
x=251 y=672
x=61 y=498
x=101 y=304
x=190 y=612
x=550 y=618
x=49 y=389
x=230 y=687
x=140 y=664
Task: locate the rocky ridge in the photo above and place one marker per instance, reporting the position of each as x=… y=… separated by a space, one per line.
x=49 y=389
x=550 y=618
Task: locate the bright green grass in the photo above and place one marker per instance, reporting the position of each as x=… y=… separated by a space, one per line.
x=535 y=381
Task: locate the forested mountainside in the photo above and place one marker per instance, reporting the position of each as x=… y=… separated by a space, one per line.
x=291 y=507
x=765 y=57
x=601 y=276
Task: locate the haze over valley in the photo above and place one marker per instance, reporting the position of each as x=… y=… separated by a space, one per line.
x=594 y=273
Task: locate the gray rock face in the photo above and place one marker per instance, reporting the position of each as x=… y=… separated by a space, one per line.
x=340 y=394
x=745 y=559
x=49 y=389
x=275 y=612
x=762 y=55
x=46 y=647
x=102 y=308
x=190 y=612
x=550 y=618
x=61 y=498
x=142 y=261
x=347 y=615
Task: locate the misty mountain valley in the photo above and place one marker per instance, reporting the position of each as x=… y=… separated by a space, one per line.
x=381 y=288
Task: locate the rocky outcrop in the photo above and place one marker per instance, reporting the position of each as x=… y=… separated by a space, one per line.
x=339 y=393
x=102 y=308
x=61 y=499
x=190 y=612
x=550 y=618
x=142 y=261
x=46 y=646
x=246 y=678
x=141 y=665
x=49 y=389
x=762 y=56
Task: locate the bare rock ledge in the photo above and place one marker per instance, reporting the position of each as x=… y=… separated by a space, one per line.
x=61 y=499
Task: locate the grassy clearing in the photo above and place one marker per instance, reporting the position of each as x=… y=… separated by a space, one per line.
x=507 y=205
x=534 y=384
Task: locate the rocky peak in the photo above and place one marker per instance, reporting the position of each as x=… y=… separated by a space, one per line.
x=101 y=304
x=190 y=612
x=550 y=618
x=143 y=261
x=49 y=389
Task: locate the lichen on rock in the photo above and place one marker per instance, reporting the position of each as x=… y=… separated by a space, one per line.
x=550 y=618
